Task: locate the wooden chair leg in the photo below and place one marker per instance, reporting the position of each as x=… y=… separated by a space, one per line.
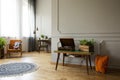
x=9 y=54
x=39 y=49
x=46 y=47
x=21 y=54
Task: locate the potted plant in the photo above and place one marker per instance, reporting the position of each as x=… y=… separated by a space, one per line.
x=42 y=36
x=2 y=44
x=87 y=45
x=46 y=37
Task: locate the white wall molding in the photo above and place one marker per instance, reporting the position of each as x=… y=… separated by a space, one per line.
x=112 y=40
x=85 y=36
x=111 y=48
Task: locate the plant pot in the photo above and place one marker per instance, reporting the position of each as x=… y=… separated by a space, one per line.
x=86 y=48
x=1 y=53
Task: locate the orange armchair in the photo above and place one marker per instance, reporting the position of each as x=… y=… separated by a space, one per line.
x=15 y=46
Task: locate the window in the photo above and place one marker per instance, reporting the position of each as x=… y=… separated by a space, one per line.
x=27 y=18
x=16 y=18
x=9 y=18
x=25 y=26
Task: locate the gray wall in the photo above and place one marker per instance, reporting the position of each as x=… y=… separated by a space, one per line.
x=87 y=19
x=89 y=16
x=43 y=17
x=82 y=19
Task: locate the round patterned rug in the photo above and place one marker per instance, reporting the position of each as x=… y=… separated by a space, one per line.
x=13 y=69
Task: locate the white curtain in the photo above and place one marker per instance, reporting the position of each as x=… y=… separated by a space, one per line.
x=28 y=21
x=9 y=18
x=17 y=20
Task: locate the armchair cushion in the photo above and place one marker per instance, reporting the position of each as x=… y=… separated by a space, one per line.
x=17 y=45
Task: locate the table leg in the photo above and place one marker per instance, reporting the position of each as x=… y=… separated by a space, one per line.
x=87 y=65
x=57 y=61
x=90 y=61
x=63 y=58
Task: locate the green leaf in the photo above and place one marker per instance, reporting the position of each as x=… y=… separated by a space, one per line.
x=87 y=42
x=2 y=42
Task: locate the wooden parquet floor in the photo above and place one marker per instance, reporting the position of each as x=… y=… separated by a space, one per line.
x=47 y=70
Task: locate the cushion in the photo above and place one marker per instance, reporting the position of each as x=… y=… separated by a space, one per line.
x=16 y=45
x=101 y=63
